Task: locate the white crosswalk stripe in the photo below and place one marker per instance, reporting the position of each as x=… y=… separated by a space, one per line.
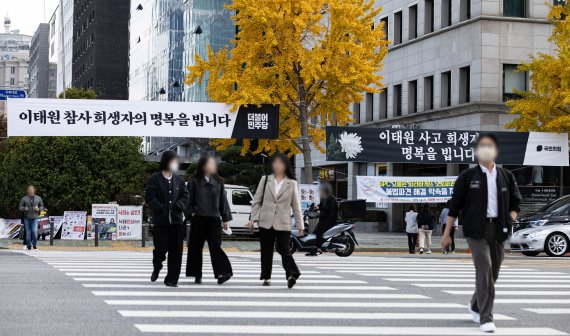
x=330 y=294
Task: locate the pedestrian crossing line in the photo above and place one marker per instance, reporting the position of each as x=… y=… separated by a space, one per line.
x=533 y=301
x=498 y=285
x=233 y=280
x=227 y=303
x=462 y=275
x=470 y=279
x=409 y=268
x=338 y=330
x=259 y=295
x=147 y=274
x=225 y=286
x=447 y=272
x=149 y=270
x=549 y=311
x=227 y=314
x=518 y=293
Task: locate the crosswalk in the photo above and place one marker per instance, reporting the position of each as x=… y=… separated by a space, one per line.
x=359 y=295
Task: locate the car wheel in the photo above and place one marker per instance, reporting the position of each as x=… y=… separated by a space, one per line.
x=530 y=253
x=556 y=245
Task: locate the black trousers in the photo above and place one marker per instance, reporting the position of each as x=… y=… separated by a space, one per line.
x=319 y=232
x=280 y=239
x=168 y=239
x=205 y=229
x=451 y=234
x=412 y=240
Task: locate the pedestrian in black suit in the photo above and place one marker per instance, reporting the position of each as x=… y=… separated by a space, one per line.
x=167 y=197
x=208 y=212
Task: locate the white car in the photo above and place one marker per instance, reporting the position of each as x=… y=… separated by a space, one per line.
x=240 y=200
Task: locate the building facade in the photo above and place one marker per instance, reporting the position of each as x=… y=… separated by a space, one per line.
x=165 y=37
x=39 y=66
x=14 y=58
x=451 y=65
x=100 y=57
x=62 y=57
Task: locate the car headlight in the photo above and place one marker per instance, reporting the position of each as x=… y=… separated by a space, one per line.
x=538 y=223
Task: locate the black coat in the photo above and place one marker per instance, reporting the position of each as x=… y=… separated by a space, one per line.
x=167 y=208
x=208 y=199
x=328 y=212
x=470 y=198
x=426 y=218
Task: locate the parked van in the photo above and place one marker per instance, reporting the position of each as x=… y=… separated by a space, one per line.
x=240 y=200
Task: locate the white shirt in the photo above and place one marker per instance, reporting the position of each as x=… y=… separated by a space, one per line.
x=492 y=195
x=411 y=222
x=278 y=186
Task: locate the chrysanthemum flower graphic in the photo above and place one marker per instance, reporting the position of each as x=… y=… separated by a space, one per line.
x=350 y=144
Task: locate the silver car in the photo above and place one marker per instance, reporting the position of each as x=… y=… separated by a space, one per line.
x=547 y=230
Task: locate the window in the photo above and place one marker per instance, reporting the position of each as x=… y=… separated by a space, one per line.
x=384 y=104
x=514 y=8
x=369 y=106
x=398 y=28
x=446 y=89
x=464 y=85
x=356 y=113
x=413 y=97
x=413 y=22
x=12 y=70
x=445 y=13
x=397 y=95
x=428 y=17
x=12 y=81
x=241 y=197
x=512 y=81
x=384 y=22
x=464 y=10
x=428 y=93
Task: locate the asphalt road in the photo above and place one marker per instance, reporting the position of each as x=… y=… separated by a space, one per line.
x=109 y=293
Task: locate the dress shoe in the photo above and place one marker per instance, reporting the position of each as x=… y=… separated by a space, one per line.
x=198 y=280
x=291 y=281
x=171 y=284
x=267 y=282
x=223 y=279
x=154 y=275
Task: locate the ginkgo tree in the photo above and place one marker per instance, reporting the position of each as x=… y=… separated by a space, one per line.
x=546 y=106
x=312 y=57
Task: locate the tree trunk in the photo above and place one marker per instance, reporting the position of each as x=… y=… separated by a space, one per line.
x=305 y=141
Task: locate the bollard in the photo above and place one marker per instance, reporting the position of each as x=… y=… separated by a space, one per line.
x=144 y=232
x=51 y=233
x=96 y=234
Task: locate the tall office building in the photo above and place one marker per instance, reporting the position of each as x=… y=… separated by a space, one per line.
x=39 y=66
x=14 y=57
x=451 y=65
x=101 y=47
x=62 y=56
x=165 y=36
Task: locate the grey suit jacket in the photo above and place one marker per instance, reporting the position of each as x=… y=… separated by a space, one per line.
x=27 y=202
x=276 y=210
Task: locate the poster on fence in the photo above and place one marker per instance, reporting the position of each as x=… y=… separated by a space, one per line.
x=106 y=216
x=73 y=226
x=90 y=117
x=10 y=228
x=56 y=221
x=404 y=189
x=129 y=220
x=309 y=194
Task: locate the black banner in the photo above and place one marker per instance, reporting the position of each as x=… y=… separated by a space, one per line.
x=363 y=144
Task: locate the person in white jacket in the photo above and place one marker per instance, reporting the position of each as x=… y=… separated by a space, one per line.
x=412 y=228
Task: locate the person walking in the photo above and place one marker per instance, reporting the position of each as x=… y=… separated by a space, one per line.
x=412 y=228
x=31 y=205
x=489 y=200
x=328 y=214
x=442 y=222
x=276 y=195
x=167 y=197
x=208 y=212
x=426 y=224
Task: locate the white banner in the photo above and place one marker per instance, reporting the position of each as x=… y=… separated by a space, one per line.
x=309 y=194
x=10 y=228
x=89 y=117
x=129 y=225
x=73 y=226
x=400 y=189
x=106 y=216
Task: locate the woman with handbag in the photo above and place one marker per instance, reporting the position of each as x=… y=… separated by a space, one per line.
x=276 y=195
x=208 y=210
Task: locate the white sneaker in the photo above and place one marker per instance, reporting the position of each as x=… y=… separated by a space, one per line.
x=24 y=247
x=428 y=252
x=488 y=327
x=474 y=315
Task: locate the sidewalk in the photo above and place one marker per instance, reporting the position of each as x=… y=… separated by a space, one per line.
x=394 y=242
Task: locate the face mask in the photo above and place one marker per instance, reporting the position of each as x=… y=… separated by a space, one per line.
x=486 y=153
x=173 y=166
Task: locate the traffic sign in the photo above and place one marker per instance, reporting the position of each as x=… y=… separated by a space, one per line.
x=4 y=94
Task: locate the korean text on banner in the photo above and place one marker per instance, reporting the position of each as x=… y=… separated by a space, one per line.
x=73 y=226
x=129 y=220
x=399 y=189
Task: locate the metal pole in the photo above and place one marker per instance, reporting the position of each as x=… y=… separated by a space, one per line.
x=51 y=233
x=96 y=234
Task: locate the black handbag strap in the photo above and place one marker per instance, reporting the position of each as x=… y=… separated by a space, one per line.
x=263 y=193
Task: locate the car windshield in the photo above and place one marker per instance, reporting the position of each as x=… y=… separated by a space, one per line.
x=556 y=206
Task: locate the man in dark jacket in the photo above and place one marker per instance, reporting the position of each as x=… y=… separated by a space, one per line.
x=489 y=200
x=167 y=197
x=31 y=205
x=426 y=224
